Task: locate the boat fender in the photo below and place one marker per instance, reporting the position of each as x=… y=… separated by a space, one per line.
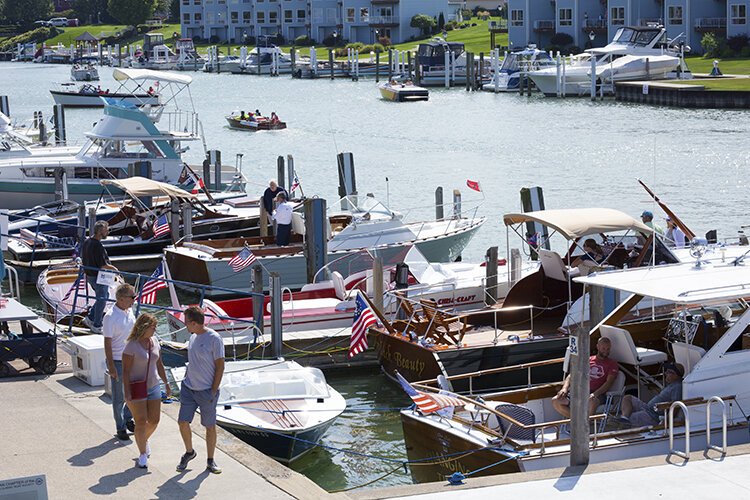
x=456 y=478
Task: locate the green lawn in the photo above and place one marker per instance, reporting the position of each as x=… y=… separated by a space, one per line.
x=102 y=30
x=721 y=83
x=733 y=66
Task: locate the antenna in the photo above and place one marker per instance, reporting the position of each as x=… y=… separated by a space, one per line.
x=333 y=135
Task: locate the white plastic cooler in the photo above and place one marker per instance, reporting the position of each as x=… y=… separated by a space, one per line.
x=88 y=359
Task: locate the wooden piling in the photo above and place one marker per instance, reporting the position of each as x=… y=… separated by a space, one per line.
x=377 y=283
x=258 y=301
x=377 y=67
x=280 y=172
x=490 y=287
x=330 y=62
x=174 y=220
x=390 y=64
x=439 y=206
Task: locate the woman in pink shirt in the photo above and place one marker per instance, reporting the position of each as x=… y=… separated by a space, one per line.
x=141 y=360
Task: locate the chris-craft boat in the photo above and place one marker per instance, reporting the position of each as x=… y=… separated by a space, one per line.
x=241 y=121
x=403 y=92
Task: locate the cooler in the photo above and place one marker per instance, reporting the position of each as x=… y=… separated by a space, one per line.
x=88 y=359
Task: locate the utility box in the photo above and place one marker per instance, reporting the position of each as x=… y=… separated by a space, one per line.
x=88 y=359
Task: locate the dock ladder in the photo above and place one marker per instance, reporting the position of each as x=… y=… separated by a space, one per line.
x=709 y=404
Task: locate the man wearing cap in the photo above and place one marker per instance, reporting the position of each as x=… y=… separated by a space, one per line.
x=648 y=218
x=674 y=235
x=639 y=414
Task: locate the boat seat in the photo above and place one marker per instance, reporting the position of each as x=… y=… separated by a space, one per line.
x=554 y=267
x=338 y=285
x=290 y=388
x=440 y=325
x=613 y=400
x=507 y=428
x=307 y=304
x=624 y=351
x=687 y=355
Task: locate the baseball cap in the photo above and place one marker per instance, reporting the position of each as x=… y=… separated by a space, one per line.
x=647 y=213
x=675 y=367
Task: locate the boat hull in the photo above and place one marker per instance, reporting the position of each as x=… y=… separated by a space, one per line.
x=254 y=126
x=76 y=100
x=403 y=95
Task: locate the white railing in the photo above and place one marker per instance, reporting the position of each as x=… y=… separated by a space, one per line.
x=711 y=22
x=383 y=20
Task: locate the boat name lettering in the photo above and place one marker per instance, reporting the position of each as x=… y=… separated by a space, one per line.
x=413 y=365
x=456 y=300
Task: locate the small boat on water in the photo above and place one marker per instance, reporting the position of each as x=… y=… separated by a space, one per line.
x=403 y=92
x=242 y=121
x=90 y=96
x=84 y=73
x=278 y=407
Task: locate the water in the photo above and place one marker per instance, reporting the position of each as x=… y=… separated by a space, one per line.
x=583 y=154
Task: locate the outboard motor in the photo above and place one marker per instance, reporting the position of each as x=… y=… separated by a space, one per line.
x=402 y=275
x=711 y=237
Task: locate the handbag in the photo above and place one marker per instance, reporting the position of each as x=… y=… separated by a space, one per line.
x=139 y=388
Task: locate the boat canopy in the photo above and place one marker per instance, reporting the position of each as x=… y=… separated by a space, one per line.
x=124 y=74
x=141 y=186
x=680 y=283
x=574 y=223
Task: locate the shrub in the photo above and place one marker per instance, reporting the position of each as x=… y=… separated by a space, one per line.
x=483 y=15
x=426 y=24
x=745 y=52
x=384 y=41
x=451 y=25
x=341 y=52
x=574 y=49
x=473 y=24
x=214 y=39
x=378 y=48
x=737 y=42
x=725 y=52
x=710 y=45
x=561 y=39
x=34 y=36
x=333 y=41
x=69 y=13
x=366 y=49
x=304 y=41
x=554 y=49
x=355 y=45
x=466 y=13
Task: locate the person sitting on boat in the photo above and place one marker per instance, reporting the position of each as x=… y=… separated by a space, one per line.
x=592 y=256
x=283 y=217
x=274 y=117
x=674 y=236
x=392 y=82
x=648 y=219
x=637 y=413
x=602 y=374
x=242 y=115
x=151 y=91
x=257 y=112
x=99 y=89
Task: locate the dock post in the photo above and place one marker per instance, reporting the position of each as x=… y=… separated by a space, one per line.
x=490 y=284
x=174 y=220
x=187 y=222
x=42 y=129
x=390 y=64
x=446 y=68
x=558 y=75
x=330 y=62
x=377 y=67
x=81 y=230
x=439 y=207
x=408 y=65
x=516 y=263
x=58 y=117
x=469 y=64
x=579 y=399
x=263 y=220
x=456 y=204
x=481 y=71
x=214 y=159
x=92 y=221
x=347 y=179
x=290 y=172
x=316 y=237
x=564 y=78
x=280 y=172
x=119 y=55
x=596 y=306
x=276 y=338
x=4 y=105
x=61 y=184
x=377 y=283
x=593 y=78
x=293 y=57
x=258 y=299
x=101 y=53
x=417 y=70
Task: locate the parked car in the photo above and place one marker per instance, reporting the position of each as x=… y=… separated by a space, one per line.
x=59 y=21
x=40 y=24
x=73 y=23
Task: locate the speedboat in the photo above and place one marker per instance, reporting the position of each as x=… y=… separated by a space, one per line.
x=23 y=141
x=266 y=58
x=507 y=78
x=644 y=43
x=438 y=57
x=83 y=73
x=253 y=123
x=89 y=96
x=402 y=92
x=278 y=407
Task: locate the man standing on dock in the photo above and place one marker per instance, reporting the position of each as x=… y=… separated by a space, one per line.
x=270 y=194
x=117 y=324
x=283 y=217
x=200 y=389
x=95 y=259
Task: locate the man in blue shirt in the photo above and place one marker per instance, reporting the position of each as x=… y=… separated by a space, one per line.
x=639 y=414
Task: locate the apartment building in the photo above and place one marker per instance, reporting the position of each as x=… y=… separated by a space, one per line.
x=535 y=21
x=354 y=20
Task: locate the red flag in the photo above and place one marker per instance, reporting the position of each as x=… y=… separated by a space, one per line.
x=473 y=185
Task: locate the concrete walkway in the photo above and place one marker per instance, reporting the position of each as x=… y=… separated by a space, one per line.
x=61 y=427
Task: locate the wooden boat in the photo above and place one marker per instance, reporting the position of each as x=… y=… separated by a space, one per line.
x=89 y=96
x=254 y=123
x=403 y=92
x=278 y=407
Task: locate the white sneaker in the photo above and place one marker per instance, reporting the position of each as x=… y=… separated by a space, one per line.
x=143 y=462
x=148 y=449
x=87 y=321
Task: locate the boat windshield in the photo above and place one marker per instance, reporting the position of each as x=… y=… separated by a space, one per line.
x=362 y=207
x=272 y=383
x=645 y=37
x=623 y=35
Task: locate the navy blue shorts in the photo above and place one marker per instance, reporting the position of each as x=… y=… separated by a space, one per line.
x=191 y=400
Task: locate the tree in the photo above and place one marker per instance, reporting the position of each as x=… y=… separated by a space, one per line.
x=710 y=45
x=441 y=22
x=132 y=12
x=25 y=12
x=424 y=23
x=92 y=11
x=174 y=11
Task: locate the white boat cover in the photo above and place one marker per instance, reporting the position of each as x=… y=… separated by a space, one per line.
x=122 y=74
x=574 y=223
x=678 y=283
x=141 y=186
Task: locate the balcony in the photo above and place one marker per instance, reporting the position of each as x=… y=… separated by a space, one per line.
x=544 y=26
x=650 y=21
x=500 y=26
x=710 y=24
x=383 y=21
x=381 y=2
x=595 y=25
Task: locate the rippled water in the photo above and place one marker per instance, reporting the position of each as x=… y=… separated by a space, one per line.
x=583 y=154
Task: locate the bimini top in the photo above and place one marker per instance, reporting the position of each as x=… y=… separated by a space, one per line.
x=123 y=74
x=141 y=186
x=574 y=223
x=678 y=283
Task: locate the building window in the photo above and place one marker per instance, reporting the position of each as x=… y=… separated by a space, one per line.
x=273 y=17
x=516 y=17
x=566 y=17
x=618 y=16
x=675 y=14
x=247 y=17
x=364 y=14
x=221 y=2
x=261 y=17
x=186 y=18
x=738 y=14
x=198 y=17
x=288 y=16
x=197 y=2
x=210 y=17
x=185 y=2
x=350 y=13
x=301 y=15
x=234 y=17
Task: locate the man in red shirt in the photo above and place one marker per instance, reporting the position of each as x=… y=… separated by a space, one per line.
x=602 y=374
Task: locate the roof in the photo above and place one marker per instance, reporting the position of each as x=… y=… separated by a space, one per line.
x=577 y=222
x=86 y=37
x=141 y=186
x=122 y=74
x=678 y=283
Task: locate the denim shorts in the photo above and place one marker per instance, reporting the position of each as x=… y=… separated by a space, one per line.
x=191 y=400
x=154 y=393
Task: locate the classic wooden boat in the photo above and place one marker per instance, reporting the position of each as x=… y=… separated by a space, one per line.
x=254 y=123
x=89 y=96
x=403 y=92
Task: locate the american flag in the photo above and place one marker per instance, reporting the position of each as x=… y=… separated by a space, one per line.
x=80 y=284
x=295 y=184
x=427 y=402
x=364 y=318
x=154 y=283
x=242 y=260
x=161 y=226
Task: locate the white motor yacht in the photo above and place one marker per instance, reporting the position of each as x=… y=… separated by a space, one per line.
x=437 y=55
x=84 y=73
x=642 y=43
x=508 y=77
